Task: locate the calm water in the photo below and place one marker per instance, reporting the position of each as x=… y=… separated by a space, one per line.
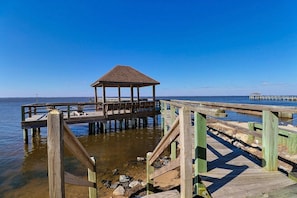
x=23 y=168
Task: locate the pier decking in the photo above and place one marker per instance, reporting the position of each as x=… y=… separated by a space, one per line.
x=224 y=170
x=233 y=172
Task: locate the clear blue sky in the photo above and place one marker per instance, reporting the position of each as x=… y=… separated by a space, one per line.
x=194 y=47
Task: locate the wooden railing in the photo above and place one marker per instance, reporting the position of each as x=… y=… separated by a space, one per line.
x=41 y=109
x=179 y=116
x=58 y=135
x=109 y=108
x=114 y=108
x=286 y=137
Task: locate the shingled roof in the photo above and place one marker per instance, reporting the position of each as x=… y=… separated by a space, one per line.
x=124 y=76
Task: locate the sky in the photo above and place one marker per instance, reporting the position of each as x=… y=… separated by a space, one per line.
x=193 y=47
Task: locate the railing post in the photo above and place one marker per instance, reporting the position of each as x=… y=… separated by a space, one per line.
x=200 y=146
x=92 y=178
x=55 y=150
x=186 y=181
x=270 y=141
x=68 y=111
x=173 y=144
x=30 y=112
x=149 y=171
x=251 y=126
x=25 y=131
x=164 y=114
x=292 y=143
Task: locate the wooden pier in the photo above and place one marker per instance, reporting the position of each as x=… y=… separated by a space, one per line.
x=101 y=117
x=272 y=97
x=213 y=167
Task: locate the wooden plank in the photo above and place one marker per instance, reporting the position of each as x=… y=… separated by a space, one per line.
x=170 y=166
x=76 y=148
x=165 y=141
x=272 y=108
x=186 y=180
x=201 y=109
x=55 y=150
x=149 y=171
x=270 y=141
x=236 y=128
x=167 y=194
x=286 y=192
x=234 y=173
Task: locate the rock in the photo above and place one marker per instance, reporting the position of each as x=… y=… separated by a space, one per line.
x=114 y=185
x=134 y=183
x=157 y=164
x=140 y=159
x=115 y=172
x=119 y=191
x=124 y=178
x=290 y=125
x=106 y=183
x=125 y=185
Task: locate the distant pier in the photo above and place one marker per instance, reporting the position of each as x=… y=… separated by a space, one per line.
x=272 y=97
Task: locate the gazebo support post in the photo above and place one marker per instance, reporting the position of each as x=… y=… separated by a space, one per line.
x=103 y=99
x=132 y=94
x=119 y=93
x=154 y=93
x=96 y=98
x=138 y=98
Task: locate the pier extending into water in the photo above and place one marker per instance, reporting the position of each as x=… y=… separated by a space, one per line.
x=211 y=166
x=101 y=117
x=272 y=97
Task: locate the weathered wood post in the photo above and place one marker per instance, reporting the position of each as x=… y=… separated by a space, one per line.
x=251 y=126
x=25 y=131
x=150 y=170
x=68 y=111
x=162 y=115
x=173 y=144
x=55 y=150
x=200 y=146
x=92 y=178
x=270 y=141
x=186 y=181
x=292 y=143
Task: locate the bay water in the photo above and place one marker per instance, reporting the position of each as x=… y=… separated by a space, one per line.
x=23 y=168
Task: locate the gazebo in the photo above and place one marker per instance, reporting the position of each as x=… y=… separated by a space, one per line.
x=124 y=77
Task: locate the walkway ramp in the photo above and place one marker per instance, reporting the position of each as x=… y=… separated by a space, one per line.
x=233 y=172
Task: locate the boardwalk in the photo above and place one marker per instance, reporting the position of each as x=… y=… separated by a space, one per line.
x=234 y=173
x=225 y=170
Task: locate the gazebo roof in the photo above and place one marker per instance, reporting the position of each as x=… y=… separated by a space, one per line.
x=124 y=76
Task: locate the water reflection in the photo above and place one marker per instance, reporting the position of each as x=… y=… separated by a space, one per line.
x=113 y=150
